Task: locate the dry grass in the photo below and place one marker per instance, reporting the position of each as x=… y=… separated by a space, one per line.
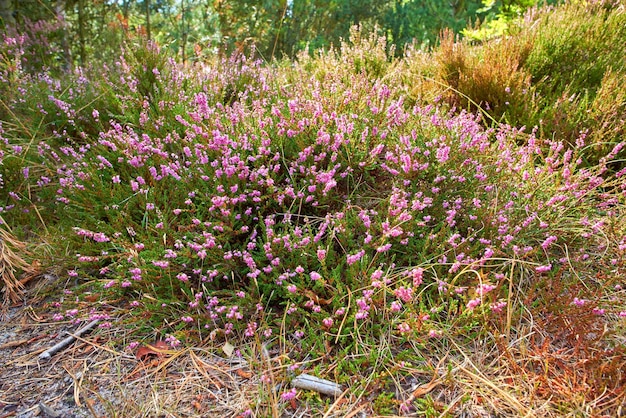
x=12 y=259
x=545 y=367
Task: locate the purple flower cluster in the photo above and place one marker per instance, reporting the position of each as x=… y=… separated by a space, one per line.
x=333 y=198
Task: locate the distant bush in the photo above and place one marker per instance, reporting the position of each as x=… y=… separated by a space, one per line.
x=554 y=69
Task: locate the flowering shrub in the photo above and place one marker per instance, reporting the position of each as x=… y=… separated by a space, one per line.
x=240 y=202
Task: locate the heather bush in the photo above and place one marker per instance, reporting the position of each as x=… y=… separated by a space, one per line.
x=308 y=198
x=334 y=203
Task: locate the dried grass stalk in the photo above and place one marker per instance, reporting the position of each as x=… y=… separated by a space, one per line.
x=10 y=262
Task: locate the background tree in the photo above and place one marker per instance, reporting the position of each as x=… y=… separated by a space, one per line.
x=6 y=13
x=78 y=31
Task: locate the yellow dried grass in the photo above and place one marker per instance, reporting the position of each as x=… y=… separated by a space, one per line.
x=12 y=252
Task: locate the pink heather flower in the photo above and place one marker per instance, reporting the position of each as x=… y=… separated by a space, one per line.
x=340 y=311
x=134 y=304
x=622 y=314
x=396 y=306
x=406 y=407
x=161 y=263
x=404 y=328
x=377 y=275
x=483 y=289
x=361 y=315
x=497 y=306
x=299 y=270
x=417 y=275
x=443 y=154
x=473 y=303
x=172 y=341
x=72 y=273
x=321 y=254
x=100 y=237
x=315 y=276
x=289 y=395
x=139 y=246
x=549 y=241
x=434 y=333
x=126 y=283
x=404 y=294
x=177 y=211
x=328 y=322
x=186 y=319
x=351 y=259
x=579 y=302
x=57 y=317
x=383 y=248
x=182 y=277
x=292 y=288
x=149 y=206
x=543 y=269
x=598 y=311
x=250 y=329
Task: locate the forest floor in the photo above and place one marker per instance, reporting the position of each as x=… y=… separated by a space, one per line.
x=556 y=364
x=91 y=378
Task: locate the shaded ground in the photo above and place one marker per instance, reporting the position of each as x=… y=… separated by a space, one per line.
x=92 y=379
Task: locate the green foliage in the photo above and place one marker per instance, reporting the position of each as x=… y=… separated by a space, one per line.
x=547 y=72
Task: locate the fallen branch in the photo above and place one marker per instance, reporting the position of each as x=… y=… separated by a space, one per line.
x=308 y=382
x=46 y=355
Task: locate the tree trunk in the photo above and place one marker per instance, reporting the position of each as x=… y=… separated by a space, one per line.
x=6 y=13
x=184 y=32
x=147 y=2
x=81 y=32
x=59 y=9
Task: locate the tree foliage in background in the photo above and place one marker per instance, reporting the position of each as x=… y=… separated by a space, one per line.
x=78 y=31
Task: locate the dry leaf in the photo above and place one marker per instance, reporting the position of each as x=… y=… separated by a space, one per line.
x=158 y=349
x=228 y=349
x=311 y=295
x=424 y=389
x=243 y=374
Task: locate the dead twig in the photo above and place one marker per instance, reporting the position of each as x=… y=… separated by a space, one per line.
x=308 y=382
x=46 y=355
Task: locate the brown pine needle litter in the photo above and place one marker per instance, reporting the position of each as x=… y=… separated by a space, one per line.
x=12 y=252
